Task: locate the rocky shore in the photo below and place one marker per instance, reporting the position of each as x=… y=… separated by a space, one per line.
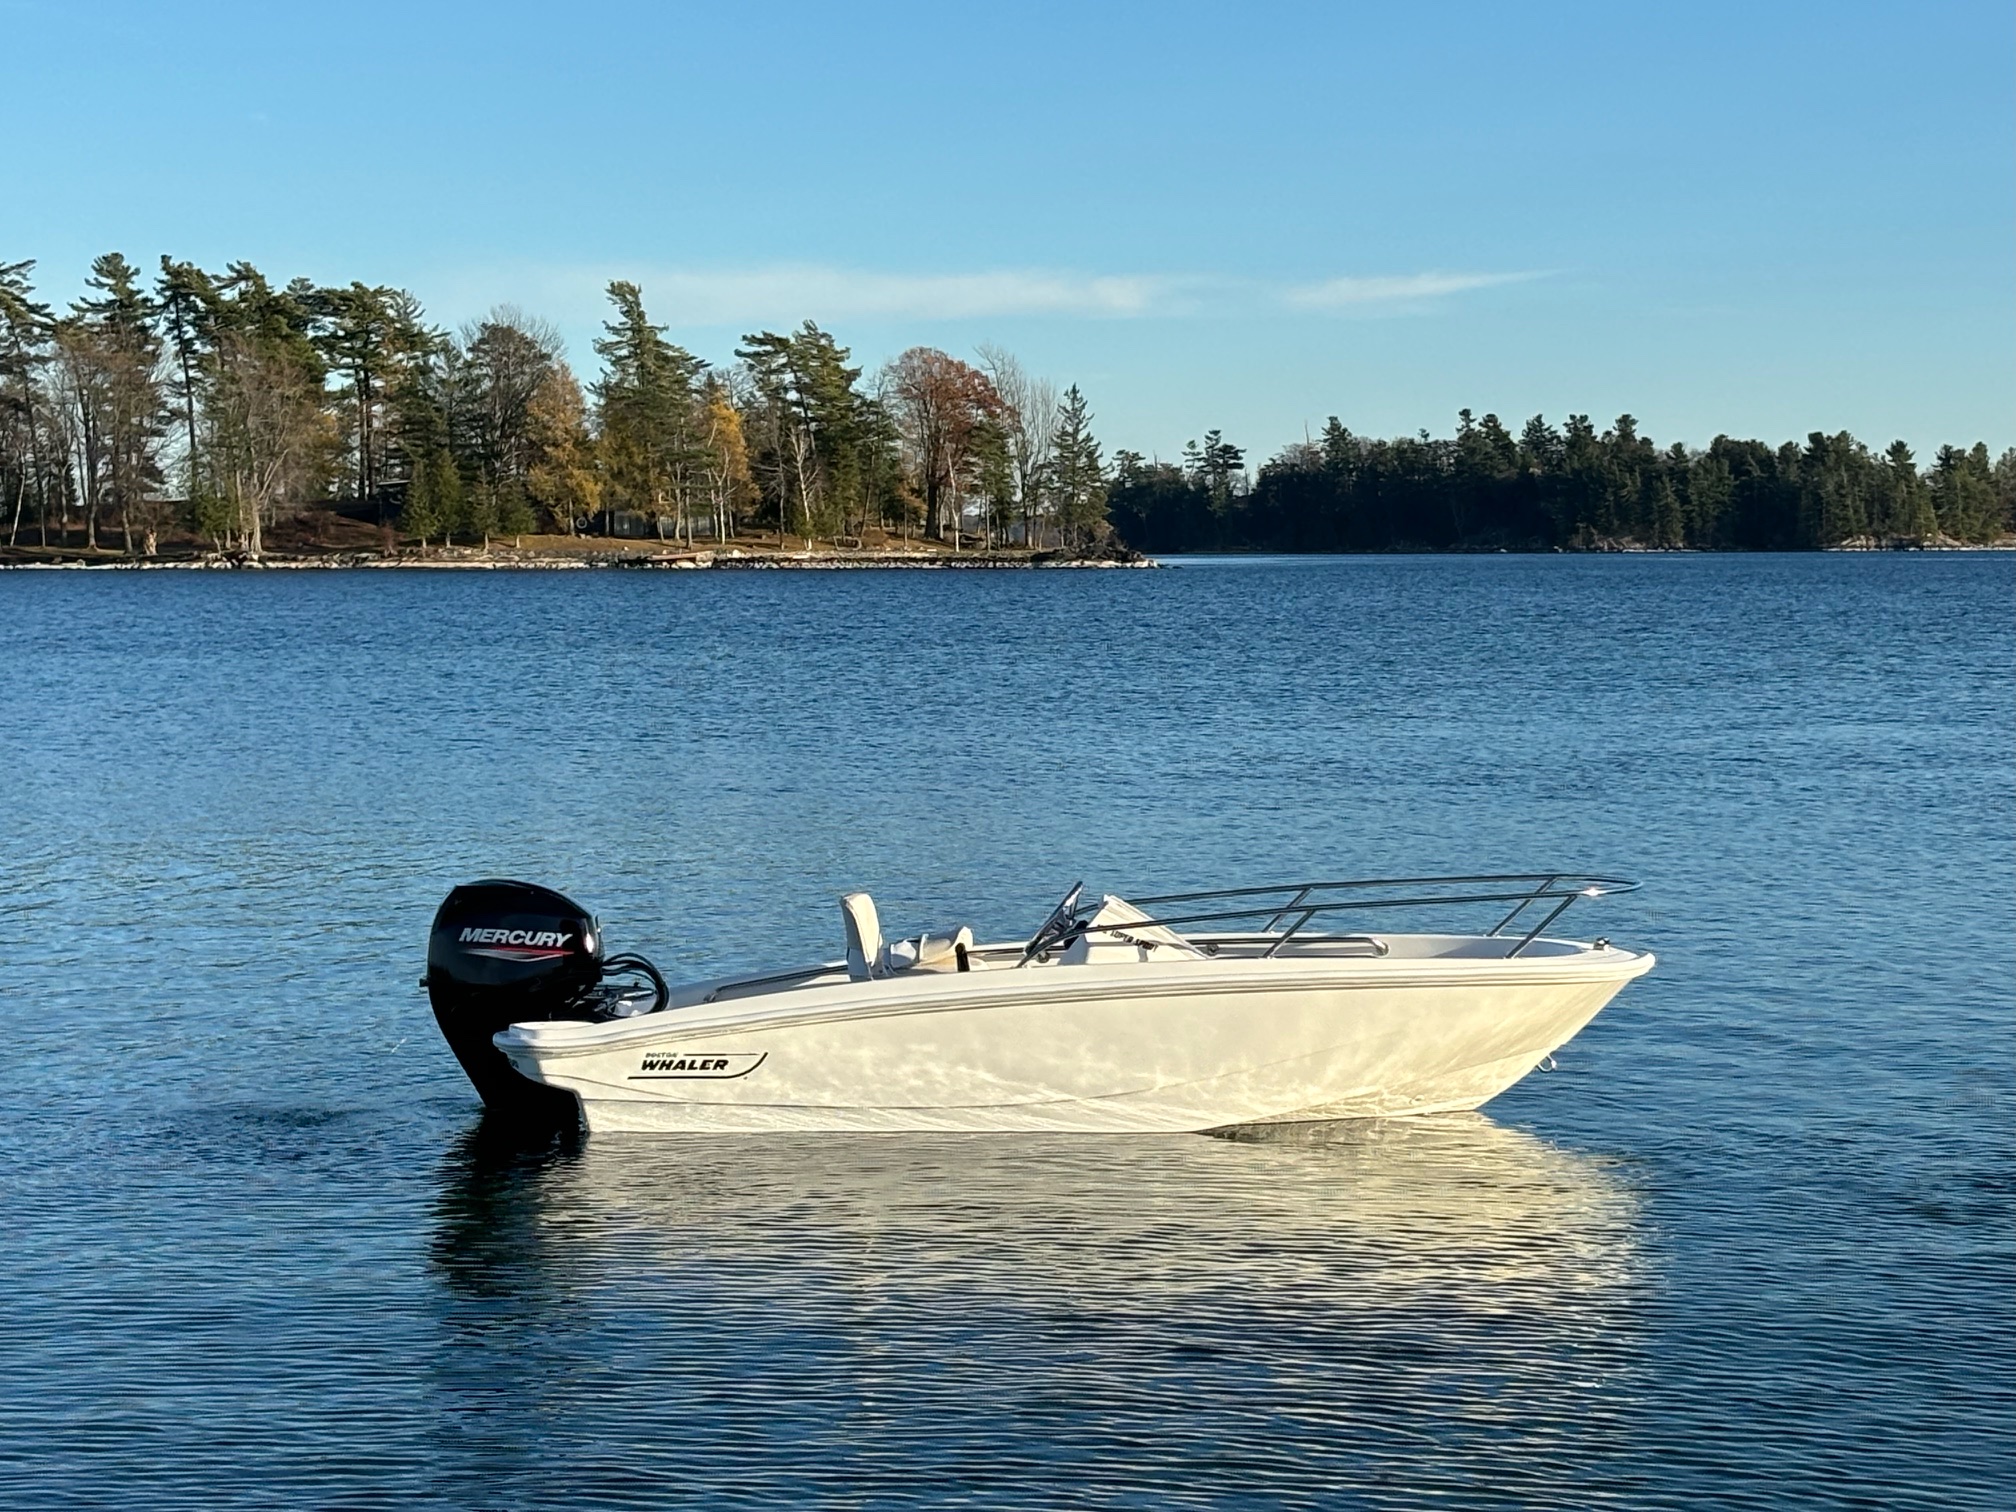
x=498 y=558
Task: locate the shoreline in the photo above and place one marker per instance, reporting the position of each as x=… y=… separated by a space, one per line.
x=742 y=559
x=56 y=559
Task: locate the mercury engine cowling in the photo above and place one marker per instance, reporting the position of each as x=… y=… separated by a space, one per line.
x=506 y=953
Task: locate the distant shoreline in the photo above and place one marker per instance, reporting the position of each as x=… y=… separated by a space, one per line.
x=743 y=559
x=71 y=561
x=55 y=559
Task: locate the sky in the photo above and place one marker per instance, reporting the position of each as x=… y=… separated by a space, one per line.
x=1762 y=219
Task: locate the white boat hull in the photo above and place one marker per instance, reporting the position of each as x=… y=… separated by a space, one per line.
x=1132 y=1047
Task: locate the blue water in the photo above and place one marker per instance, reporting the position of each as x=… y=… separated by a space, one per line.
x=1748 y=1247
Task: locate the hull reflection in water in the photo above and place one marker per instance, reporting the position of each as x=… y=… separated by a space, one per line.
x=1296 y=1298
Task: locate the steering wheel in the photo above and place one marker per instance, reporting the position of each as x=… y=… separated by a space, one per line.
x=1054 y=928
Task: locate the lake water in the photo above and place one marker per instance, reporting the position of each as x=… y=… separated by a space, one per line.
x=1748 y=1246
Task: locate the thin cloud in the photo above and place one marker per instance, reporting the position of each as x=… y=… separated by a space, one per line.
x=786 y=293
x=1396 y=289
x=789 y=293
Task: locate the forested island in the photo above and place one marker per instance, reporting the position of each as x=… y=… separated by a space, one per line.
x=212 y=414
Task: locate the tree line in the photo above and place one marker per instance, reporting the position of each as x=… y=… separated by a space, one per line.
x=220 y=404
x=1569 y=487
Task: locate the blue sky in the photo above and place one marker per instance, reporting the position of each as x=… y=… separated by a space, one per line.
x=1757 y=218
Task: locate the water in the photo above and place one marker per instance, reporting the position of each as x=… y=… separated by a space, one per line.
x=1748 y=1247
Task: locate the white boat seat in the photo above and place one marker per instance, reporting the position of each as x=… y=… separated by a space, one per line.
x=1150 y=941
x=864 y=935
x=868 y=958
x=929 y=952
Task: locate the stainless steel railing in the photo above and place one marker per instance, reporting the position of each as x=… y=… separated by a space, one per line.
x=1550 y=894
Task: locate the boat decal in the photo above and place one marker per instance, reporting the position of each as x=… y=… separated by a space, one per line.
x=522 y=937
x=682 y=1065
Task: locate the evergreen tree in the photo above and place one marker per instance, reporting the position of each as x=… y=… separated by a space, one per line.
x=367 y=334
x=2004 y=476
x=1963 y=494
x=480 y=511
x=27 y=465
x=1217 y=466
x=449 y=500
x=1709 y=490
x=646 y=398
x=422 y=514
x=113 y=356
x=186 y=303
x=1077 y=477
x=1905 y=512
x=268 y=442
x=514 y=512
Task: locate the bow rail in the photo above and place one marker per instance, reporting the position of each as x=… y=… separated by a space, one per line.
x=1288 y=908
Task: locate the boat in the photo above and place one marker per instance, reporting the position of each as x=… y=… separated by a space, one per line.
x=1181 y=1012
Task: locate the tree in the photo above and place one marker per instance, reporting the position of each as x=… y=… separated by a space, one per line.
x=2004 y=475
x=26 y=329
x=426 y=404
x=561 y=477
x=844 y=427
x=109 y=360
x=367 y=334
x=646 y=401
x=422 y=515
x=446 y=496
x=1028 y=419
x=1963 y=494
x=267 y=438
x=1835 y=474
x=479 y=512
x=1905 y=504
x=942 y=408
x=186 y=303
x=506 y=359
x=812 y=435
x=1217 y=466
x=994 y=480
x=725 y=458
x=1709 y=491
x=266 y=442
x=1077 y=477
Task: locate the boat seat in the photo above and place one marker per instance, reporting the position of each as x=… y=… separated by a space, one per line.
x=864 y=935
x=930 y=952
x=868 y=958
x=1151 y=941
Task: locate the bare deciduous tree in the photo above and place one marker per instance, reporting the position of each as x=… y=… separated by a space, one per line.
x=1029 y=419
x=269 y=436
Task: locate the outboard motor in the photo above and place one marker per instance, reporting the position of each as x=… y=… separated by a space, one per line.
x=506 y=953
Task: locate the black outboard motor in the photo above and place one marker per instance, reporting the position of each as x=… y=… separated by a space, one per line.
x=505 y=953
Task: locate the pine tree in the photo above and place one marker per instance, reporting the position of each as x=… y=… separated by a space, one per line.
x=25 y=329
x=1077 y=477
x=1963 y=492
x=450 y=501
x=646 y=397
x=187 y=305
x=1906 y=503
x=480 y=511
x=111 y=338
x=422 y=516
x=514 y=512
